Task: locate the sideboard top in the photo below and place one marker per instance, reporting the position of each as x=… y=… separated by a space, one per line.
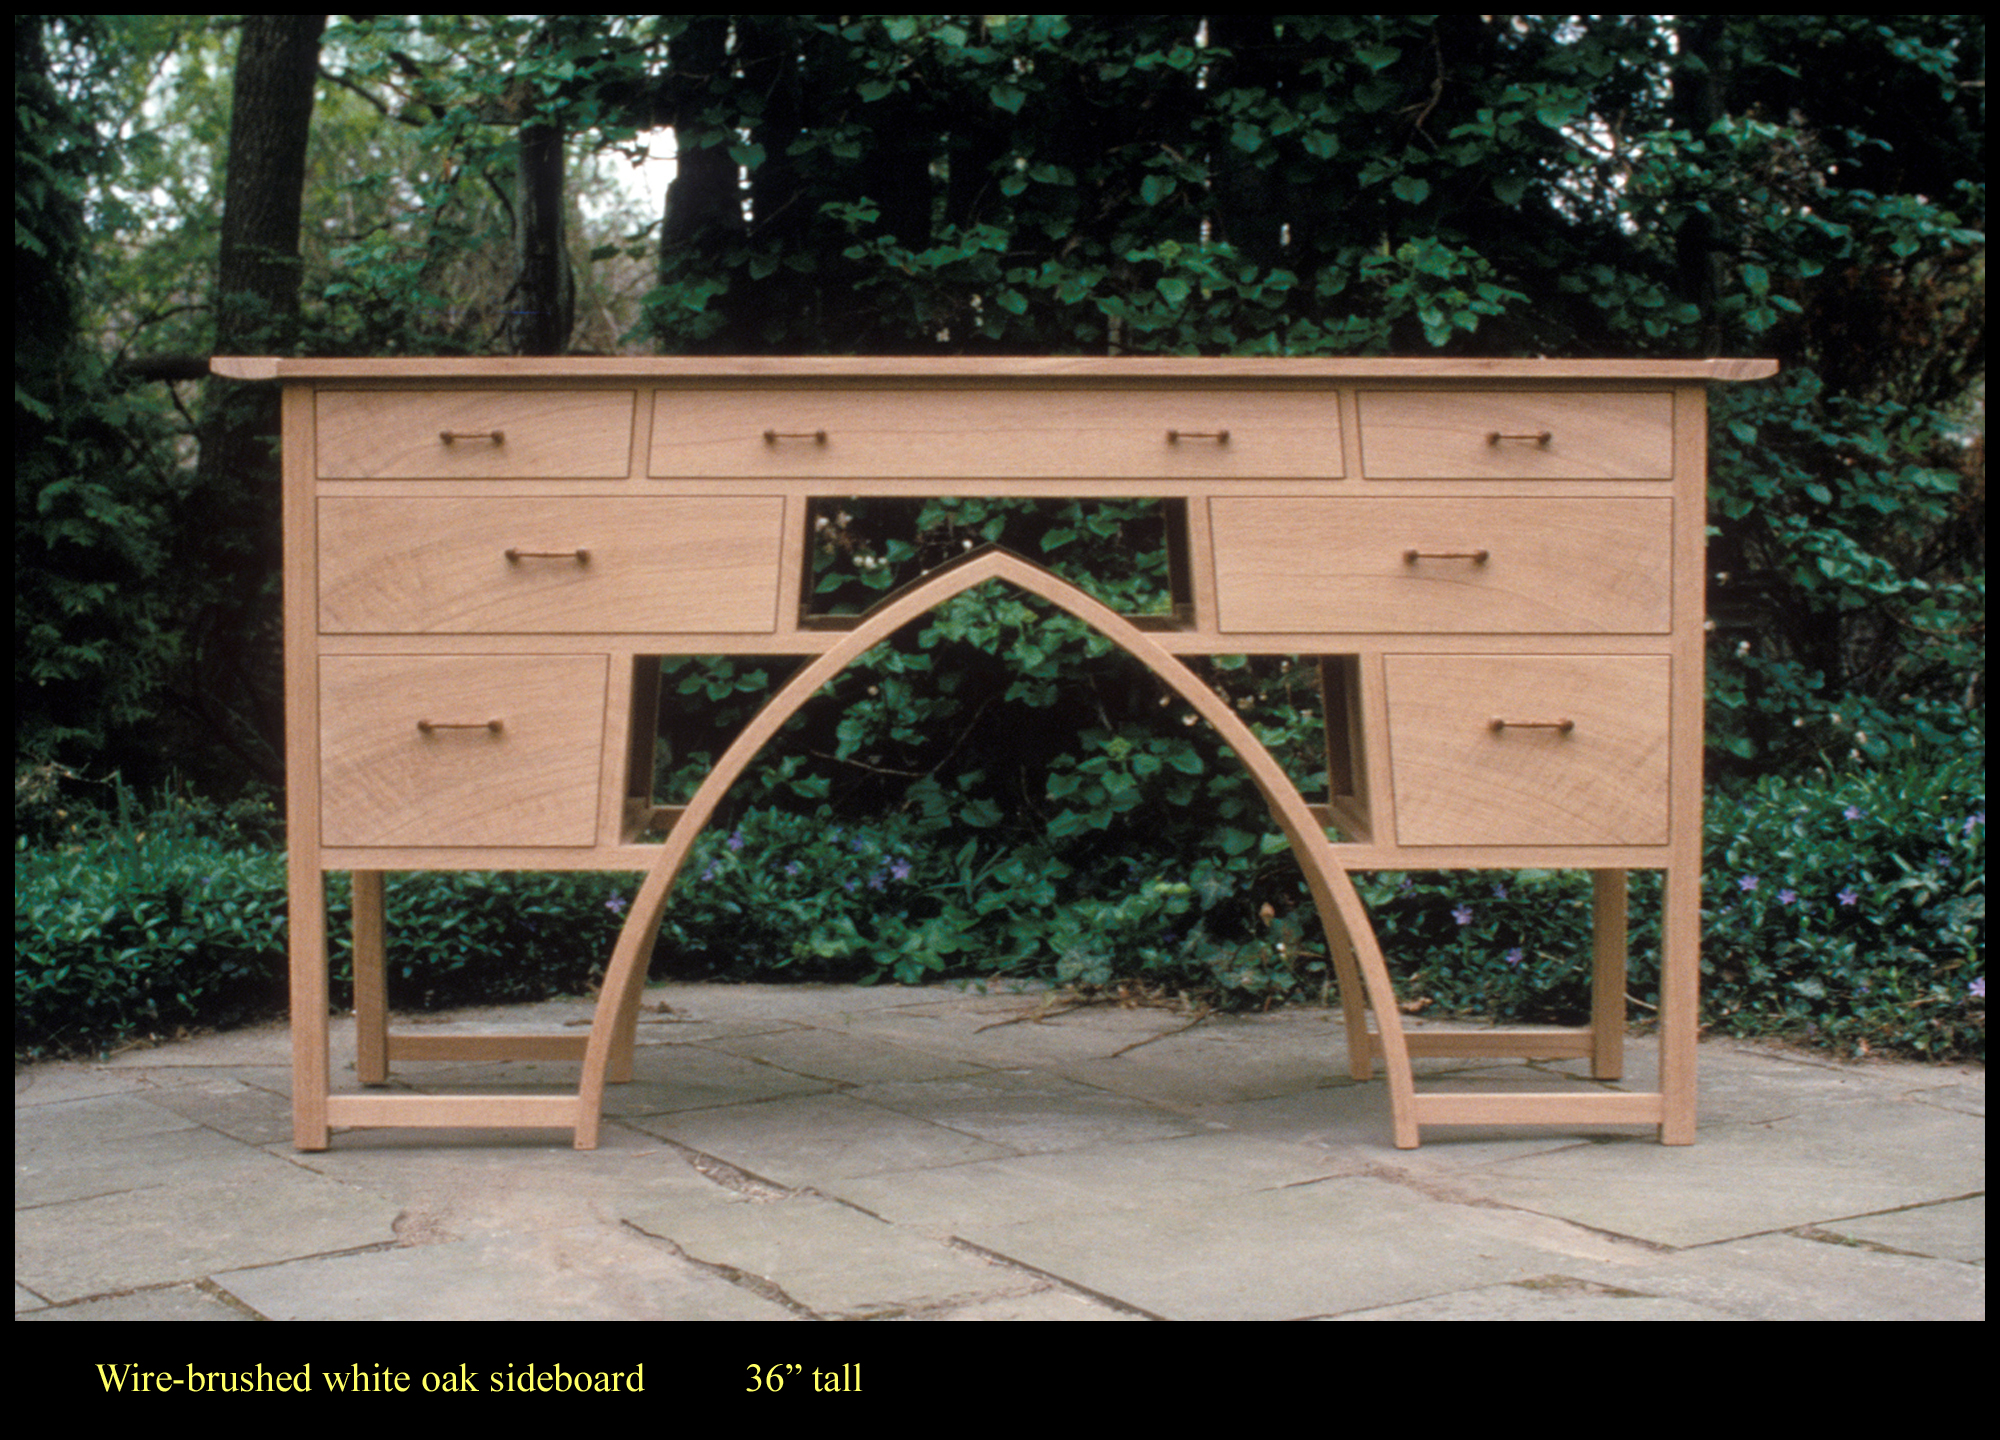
x=966 y=367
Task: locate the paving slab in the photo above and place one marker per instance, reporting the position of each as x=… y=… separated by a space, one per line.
x=587 y=1273
x=1297 y=1253
x=832 y=1259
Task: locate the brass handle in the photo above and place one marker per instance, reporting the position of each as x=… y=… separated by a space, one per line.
x=1220 y=437
x=498 y=437
x=772 y=437
x=1562 y=726
x=1540 y=437
x=426 y=726
x=580 y=555
x=1477 y=557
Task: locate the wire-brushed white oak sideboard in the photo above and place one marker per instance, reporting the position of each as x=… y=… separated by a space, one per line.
x=1496 y=566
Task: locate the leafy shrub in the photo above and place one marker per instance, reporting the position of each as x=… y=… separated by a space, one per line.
x=143 y=931
x=1508 y=945
x=475 y=937
x=1849 y=907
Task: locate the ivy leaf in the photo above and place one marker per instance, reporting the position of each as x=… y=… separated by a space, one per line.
x=1007 y=97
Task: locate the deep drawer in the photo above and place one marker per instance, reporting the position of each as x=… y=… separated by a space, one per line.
x=522 y=566
x=1517 y=435
x=460 y=749
x=474 y=434
x=1109 y=433
x=1412 y=566
x=1529 y=750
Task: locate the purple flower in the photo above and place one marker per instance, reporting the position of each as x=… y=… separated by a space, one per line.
x=1788 y=897
x=1514 y=956
x=1852 y=812
x=616 y=904
x=736 y=841
x=1747 y=883
x=1848 y=897
x=1462 y=914
x=1977 y=989
x=899 y=869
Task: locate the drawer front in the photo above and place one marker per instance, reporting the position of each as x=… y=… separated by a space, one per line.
x=1443 y=566
x=474 y=434
x=1517 y=435
x=407 y=756
x=534 y=566
x=1579 y=756
x=874 y=434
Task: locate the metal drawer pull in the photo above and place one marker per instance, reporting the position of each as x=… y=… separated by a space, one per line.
x=1540 y=437
x=1220 y=437
x=1562 y=726
x=498 y=437
x=772 y=437
x=1477 y=557
x=580 y=555
x=429 y=725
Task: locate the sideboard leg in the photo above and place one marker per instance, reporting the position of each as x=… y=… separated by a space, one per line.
x=626 y=1037
x=1608 y=946
x=371 y=980
x=1342 y=913
x=310 y=1067
x=1353 y=1002
x=1680 y=997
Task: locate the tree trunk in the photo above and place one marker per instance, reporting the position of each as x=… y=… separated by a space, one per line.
x=543 y=309
x=233 y=683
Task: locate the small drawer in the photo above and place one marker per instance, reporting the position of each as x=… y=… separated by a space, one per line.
x=1517 y=435
x=460 y=749
x=474 y=434
x=1529 y=749
x=516 y=566
x=1420 y=566
x=1101 y=433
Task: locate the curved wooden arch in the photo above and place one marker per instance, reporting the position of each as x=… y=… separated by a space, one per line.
x=1350 y=937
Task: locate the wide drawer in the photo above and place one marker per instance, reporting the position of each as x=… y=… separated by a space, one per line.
x=460 y=749
x=1404 y=566
x=1529 y=750
x=550 y=566
x=1098 y=433
x=474 y=434
x=1517 y=434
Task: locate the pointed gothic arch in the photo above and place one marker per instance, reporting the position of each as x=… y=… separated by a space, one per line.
x=1350 y=938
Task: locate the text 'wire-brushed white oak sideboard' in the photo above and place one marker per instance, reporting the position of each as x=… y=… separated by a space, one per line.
x=1496 y=564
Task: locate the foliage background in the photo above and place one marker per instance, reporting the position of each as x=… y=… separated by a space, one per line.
x=1804 y=186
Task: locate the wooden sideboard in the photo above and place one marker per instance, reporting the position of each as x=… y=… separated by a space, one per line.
x=1496 y=565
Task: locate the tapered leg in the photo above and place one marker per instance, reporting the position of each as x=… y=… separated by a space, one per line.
x=310 y=1074
x=1608 y=943
x=371 y=980
x=1680 y=1001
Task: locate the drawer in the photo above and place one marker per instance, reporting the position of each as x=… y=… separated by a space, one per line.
x=1517 y=435
x=407 y=756
x=1529 y=749
x=474 y=434
x=1403 y=566
x=549 y=566
x=1114 y=433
